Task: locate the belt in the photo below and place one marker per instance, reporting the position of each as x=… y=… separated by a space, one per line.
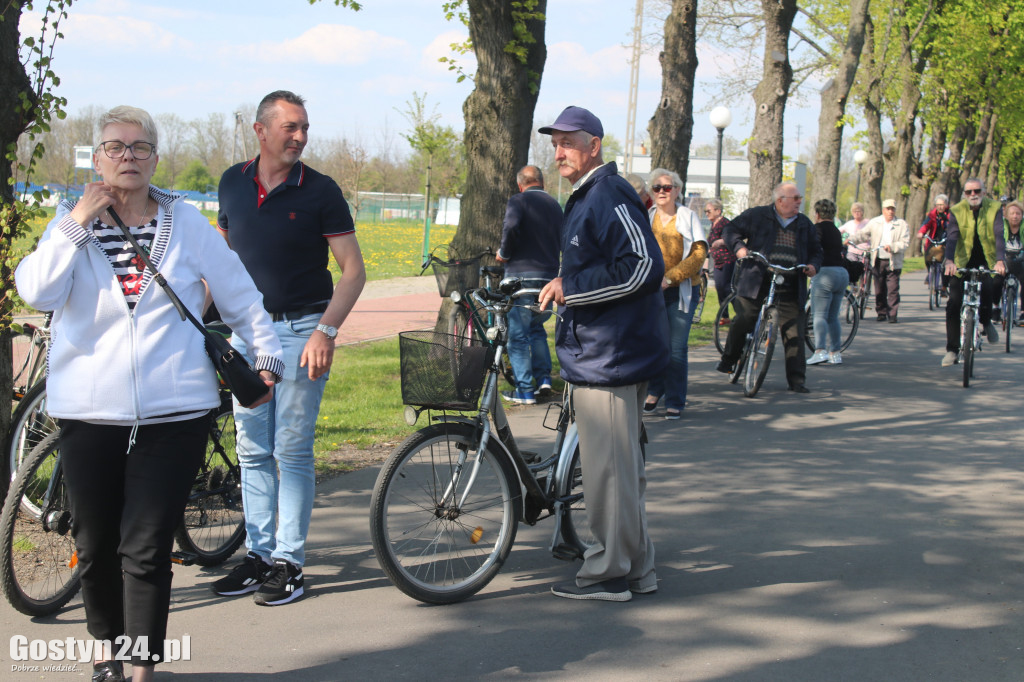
x=299 y=313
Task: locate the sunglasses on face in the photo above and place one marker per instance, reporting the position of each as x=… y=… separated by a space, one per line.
x=970 y=192
x=662 y=188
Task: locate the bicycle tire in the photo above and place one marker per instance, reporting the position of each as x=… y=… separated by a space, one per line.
x=865 y=291
x=429 y=549
x=1009 y=313
x=460 y=324
x=39 y=570
x=30 y=424
x=968 y=347
x=848 y=321
x=760 y=357
x=721 y=332
x=576 y=524
x=213 y=524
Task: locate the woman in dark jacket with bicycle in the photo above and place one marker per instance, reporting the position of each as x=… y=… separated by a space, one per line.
x=130 y=381
x=828 y=287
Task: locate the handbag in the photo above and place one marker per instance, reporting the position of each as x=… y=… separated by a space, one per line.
x=854 y=268
x=245 y=383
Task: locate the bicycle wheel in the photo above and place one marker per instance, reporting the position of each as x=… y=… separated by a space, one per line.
x=38 y=561
x=968 y=346
x=30 y=424
x=849 y=322
x=722 y=330
x=213 y=525
x=865 y=291
x=434 y=546
x=1009 y=313
x=760 y=354
x=575 y=524
x=460 y=323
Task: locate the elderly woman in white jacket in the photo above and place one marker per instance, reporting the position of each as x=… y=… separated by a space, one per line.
x=129 y=380
x=684 y=247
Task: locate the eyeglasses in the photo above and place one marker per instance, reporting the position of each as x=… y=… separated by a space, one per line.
x=795 y=196
x=970 y=192
x=115 y=149
x=662 y=188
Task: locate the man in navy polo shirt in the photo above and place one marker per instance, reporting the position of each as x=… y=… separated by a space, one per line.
x=285 y=220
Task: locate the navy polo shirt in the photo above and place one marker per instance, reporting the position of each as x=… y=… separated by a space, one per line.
x=281 y=235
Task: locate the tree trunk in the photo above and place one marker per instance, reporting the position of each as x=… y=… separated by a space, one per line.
x=499 y=118
x=14 y=83
x=833 y=107
x=671 y=127
x=904 y=156
x=970 y=168
x=922 y=196
x=765 y=148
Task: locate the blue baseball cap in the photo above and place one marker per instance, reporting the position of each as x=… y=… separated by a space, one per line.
x=575 y=118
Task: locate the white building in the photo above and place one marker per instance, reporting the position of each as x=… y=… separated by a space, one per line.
x=700 y=180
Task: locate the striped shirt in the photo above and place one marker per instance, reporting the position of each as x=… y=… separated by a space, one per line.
x=128 y=266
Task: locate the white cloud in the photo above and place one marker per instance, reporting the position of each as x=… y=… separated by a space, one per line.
x=326 y=44
x=439 y=47
x=572 y=60
x=111 y=34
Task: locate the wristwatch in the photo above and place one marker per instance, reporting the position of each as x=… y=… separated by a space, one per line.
x=328 y=330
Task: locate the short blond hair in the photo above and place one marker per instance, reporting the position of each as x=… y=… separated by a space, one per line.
x=127 y=115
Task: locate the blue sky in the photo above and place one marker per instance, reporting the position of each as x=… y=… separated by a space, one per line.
x=356 y=69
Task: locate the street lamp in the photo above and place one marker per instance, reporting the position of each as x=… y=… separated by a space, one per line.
x=720 y=118
x=859 y=157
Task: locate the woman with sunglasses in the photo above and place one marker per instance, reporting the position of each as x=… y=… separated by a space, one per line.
x=130 y=381
x=684 y=248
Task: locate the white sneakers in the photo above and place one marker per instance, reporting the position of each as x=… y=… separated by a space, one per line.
x=820 y=356
x=949 y=359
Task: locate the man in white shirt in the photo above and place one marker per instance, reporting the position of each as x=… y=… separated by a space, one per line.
x=890 y=236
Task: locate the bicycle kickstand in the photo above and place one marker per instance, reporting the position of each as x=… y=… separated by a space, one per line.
x=561 y=550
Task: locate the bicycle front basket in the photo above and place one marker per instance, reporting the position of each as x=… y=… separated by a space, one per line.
x=442 y=371
x=457 y=275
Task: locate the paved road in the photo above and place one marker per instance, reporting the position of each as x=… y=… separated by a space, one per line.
x=869 y=531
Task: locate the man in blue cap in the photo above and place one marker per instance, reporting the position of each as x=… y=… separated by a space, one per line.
x=611 y=340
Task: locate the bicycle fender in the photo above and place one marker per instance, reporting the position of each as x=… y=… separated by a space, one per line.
x=572 y=439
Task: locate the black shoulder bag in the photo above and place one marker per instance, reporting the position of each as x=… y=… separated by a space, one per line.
x=245 y=383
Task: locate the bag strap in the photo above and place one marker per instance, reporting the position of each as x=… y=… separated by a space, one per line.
x=183 y=312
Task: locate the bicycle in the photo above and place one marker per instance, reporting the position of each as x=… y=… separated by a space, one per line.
x=29 y=421
x=760 y=344
x=702 y=293
x=849 y=321
x=461 y=274
x=935 y=289
x=448 y=501
x=38 y=560
x=1008 y=305
x=861 y=289
x=970 y=330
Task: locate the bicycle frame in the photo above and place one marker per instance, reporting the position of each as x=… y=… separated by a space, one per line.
x=552 y=470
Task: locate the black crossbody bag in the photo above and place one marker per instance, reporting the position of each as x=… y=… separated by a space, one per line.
x=245 y=383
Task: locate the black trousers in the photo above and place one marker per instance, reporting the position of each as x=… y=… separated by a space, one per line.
x=953 y=305
x=887 y=287
x=125 y=507
x=792 y=327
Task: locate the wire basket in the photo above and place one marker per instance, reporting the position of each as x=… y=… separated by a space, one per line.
x=442 y=371
x=457 y=275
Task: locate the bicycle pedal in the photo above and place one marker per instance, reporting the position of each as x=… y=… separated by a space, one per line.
x=183 y=558
x=530 y=457
x=566 y=552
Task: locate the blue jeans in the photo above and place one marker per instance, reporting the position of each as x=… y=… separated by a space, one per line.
x=672 y=384
x=827 y=292
x=275 y=451
x=528 y=344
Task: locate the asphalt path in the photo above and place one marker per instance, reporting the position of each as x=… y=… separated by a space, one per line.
x=871 y=530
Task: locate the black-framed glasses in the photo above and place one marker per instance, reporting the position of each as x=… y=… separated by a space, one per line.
x=795 y=196
x=115 y=149
x=662 y=188
x=970 y=192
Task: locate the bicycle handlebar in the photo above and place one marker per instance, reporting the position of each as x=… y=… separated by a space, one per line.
x=434 y=259
x=772 y=266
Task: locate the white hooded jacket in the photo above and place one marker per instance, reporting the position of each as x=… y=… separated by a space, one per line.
x=109 y=363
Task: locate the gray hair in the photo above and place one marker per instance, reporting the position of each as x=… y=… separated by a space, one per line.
x=980 y=182
x=778 y=189
x=637 y=182
x=128 y=116
x=855 y=205
x=653 y=176
x=530 y=175
x=825 y=208
x=943 y=198
x=714 y=203
x=268 y=102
